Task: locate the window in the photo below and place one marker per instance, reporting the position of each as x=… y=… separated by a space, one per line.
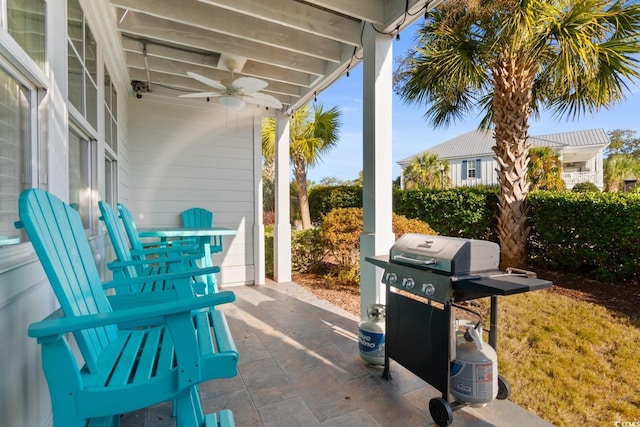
x=82 y=180
x=16 y=103
x=110 y=113
x=110 y=181
x=471 y=169
x=83 y=72
x=26 y=24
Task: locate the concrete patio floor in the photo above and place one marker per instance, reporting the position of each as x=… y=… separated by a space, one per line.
x=299 y=366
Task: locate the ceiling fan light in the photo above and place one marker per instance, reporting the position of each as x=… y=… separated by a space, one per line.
x=231 y=103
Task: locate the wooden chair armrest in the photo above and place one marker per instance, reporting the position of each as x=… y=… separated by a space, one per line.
x=135 y=262
x=174 y=275
x=54 y=328
x=168 y=250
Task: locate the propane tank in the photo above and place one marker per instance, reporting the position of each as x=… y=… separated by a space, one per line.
x=371 y=335
x=474 y=372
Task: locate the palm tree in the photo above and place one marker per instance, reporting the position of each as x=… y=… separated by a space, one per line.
x=312 y=132
x=511 y=58
x=545 y=169
x=426 y=171
x=268 y=164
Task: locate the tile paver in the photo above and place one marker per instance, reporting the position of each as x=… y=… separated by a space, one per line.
x=299 y=366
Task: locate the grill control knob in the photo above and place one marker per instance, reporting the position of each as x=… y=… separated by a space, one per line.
x=428 y=289
x=392 y=278
x=408 y=283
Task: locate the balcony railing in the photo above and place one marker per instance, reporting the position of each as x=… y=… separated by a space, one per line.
x=573 y=178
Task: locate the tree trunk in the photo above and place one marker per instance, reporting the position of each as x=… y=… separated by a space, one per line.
x=513 y=80
x=300 y=175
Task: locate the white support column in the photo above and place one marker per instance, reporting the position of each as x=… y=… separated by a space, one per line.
x=282 y=230
x=259 y=270
x=600 y=169
x=377 y=236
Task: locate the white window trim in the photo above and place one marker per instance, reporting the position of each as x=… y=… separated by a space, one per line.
x=469 y=169
x=22 y=68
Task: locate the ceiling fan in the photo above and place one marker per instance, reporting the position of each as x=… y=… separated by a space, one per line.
x=233 y=93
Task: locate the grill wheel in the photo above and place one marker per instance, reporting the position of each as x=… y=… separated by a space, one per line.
x=441 y=412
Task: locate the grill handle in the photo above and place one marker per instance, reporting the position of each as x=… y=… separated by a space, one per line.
x=414 y=261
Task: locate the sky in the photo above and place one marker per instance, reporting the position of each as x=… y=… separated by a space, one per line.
x=412 y=134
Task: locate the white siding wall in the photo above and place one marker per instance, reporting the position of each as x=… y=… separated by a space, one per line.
x=194 y=154
x=488 y=175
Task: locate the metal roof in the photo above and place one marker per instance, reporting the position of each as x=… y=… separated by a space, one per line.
x=479 y=143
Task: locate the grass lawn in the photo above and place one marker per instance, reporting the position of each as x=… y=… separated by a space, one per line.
x=571 y=362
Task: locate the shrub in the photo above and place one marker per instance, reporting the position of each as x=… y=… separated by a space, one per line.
x=585 y=187
x=459 y=212
x=268 y=250
x=592 y=233
x=307 y=250
x=403 y=225
x=323 y=199
x=341 y=230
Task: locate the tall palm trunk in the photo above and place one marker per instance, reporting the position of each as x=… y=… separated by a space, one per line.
x=300 y=175
x=513 y=81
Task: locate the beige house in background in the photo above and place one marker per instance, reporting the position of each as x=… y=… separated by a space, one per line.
x=472 y=162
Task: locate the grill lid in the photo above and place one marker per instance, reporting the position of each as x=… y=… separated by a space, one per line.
x=450 y=255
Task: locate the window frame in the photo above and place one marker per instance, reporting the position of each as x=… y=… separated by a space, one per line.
x=15 y=62
x=471 y=169
x=81 y=112
x=89 y=159
x=110 y=98
x=40 y=62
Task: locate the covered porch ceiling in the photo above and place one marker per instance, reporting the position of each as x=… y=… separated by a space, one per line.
x=299 y=47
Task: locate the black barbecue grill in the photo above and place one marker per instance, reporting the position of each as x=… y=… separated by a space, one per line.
x=425 y=276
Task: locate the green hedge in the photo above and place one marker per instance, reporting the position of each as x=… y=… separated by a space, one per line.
x=462 y=212
x=323 y=199
x=597 y=234
x=593 y=233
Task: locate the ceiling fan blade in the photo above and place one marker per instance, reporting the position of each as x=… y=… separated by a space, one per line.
x=209 y=82
x=263 y=99
x=249 y=85
x=200 y=95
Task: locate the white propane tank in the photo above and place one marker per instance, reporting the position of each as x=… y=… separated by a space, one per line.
x=371 y=335
x=474 y=372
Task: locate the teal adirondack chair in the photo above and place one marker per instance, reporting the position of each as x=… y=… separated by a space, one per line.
x=124 y=369
x=202 y=218
x=134 y=263
x=131 y=230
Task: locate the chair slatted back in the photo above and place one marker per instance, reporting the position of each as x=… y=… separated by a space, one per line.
x=200 y=217
x=119 y=240
x=130 y=227
x=58 y=237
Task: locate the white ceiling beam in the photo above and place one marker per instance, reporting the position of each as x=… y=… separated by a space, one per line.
x=395 y=13
x=279 y=74
x=365 y=10
x=299 y=16
x=253 y=69
x=172 y=53
x=224 y=21
x=180 y=34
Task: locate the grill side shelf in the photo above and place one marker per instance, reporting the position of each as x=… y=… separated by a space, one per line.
x=378 y=260
x=506 y=284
